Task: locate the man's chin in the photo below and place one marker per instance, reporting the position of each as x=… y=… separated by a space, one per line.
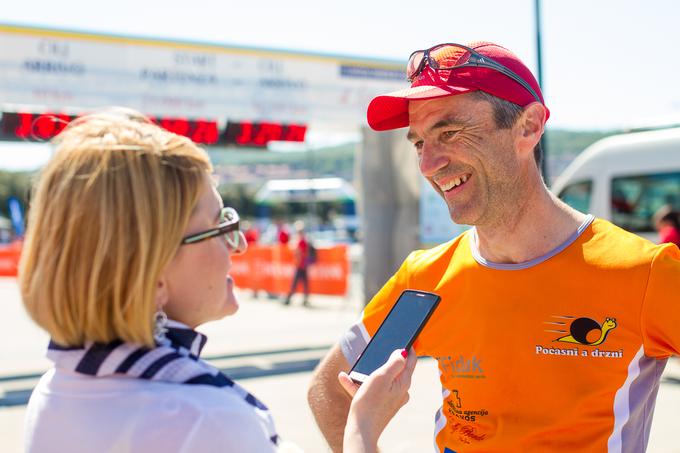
x=458 y=218
x=462 y=216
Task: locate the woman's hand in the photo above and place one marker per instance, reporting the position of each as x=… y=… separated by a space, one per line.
x=377 y=401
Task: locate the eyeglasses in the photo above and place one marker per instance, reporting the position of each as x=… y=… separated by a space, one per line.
x=228 y=227
x=446 y=57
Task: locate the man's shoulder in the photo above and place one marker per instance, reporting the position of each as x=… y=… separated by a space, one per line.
x=441 y=253
x=606 y=235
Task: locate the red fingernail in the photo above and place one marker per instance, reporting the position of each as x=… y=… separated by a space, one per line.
x=404 y=353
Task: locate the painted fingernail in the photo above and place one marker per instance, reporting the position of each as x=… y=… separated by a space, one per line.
x=404 y=353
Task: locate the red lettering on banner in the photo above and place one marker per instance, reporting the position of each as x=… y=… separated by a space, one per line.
x=44 y=126
x=61 y=121
x=245 y=135
x=205 y=132
x=267 y=132
x=295 y=133
x=179 y=126
x=24 y=130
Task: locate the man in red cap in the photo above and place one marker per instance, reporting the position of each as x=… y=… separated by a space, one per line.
x=553 y=327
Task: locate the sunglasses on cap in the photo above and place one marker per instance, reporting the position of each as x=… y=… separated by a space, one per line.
x=446 y=57
x=228 y=227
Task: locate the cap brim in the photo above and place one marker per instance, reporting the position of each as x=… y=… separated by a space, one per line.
x=390 y=111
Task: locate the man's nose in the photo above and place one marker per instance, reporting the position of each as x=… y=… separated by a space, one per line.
x=431 y=159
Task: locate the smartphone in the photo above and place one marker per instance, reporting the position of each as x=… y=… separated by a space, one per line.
x=398 y=330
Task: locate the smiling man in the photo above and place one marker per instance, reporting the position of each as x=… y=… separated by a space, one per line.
x=554 y=326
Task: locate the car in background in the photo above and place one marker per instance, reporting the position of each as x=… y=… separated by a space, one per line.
x=625 y=179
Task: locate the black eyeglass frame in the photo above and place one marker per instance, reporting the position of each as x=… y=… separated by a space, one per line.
x=476 y=59
x=231 y=223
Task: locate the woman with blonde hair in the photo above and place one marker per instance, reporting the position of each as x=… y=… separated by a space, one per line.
x=128 y=250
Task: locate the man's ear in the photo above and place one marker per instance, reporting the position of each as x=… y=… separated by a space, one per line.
x=530 y=127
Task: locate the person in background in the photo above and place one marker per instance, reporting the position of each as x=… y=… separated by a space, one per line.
x=283 y=236
x=301 y=260
x=251 y=233
x=667 y=223
x=128 y=251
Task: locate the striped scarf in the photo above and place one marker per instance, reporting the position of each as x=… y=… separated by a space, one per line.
x=175 y=360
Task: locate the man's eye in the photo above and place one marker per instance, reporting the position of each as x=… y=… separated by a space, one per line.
x=418 y=145
x=448 y=135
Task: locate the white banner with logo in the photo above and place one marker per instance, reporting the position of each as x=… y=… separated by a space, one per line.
x=60 y=70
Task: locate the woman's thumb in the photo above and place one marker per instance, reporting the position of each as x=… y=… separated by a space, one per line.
x=395 y=364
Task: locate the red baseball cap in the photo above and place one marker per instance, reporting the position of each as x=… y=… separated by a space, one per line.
x=390 y=111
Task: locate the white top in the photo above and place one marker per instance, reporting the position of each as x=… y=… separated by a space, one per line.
x=72 y=412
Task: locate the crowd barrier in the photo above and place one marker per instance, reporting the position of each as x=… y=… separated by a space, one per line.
x=264 y=268
x=271 y=269
x=9 y=258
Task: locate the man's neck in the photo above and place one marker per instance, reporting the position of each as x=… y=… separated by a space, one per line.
x=537 y=226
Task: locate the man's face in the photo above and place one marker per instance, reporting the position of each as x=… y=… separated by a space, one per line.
x=467 y=159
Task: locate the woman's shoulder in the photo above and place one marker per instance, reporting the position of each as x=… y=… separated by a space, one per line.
x=64 y=384
x=195 y=417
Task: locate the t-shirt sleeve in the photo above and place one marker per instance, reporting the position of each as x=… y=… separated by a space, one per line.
x=359 y=334
x=660 y=316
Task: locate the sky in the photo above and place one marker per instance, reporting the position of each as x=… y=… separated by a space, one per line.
x=606 y=63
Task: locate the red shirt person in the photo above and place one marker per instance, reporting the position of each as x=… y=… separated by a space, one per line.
x=667 y=223
x=301 y=264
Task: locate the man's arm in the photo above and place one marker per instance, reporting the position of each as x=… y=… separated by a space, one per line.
x=328 y=400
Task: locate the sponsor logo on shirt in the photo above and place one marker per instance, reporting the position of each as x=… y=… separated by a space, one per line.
x=582 y=332
x=461 y=367
x=455 y=407
x=466 y=432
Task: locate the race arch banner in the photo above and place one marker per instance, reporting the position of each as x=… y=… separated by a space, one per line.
x=62 y=70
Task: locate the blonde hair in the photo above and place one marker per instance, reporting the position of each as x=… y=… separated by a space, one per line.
x=108 y=214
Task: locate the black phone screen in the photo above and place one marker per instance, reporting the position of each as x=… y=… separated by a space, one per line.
x=399 y=329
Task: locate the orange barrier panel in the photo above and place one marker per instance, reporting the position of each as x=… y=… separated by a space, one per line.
x=267 y=268
x=9 y=258
x=271 y=269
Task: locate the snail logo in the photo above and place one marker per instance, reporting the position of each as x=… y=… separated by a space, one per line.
x=584 y=331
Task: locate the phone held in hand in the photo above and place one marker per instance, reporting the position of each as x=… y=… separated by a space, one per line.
x=398 y=330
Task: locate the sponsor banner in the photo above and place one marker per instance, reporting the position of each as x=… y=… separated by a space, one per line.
x=9 y=259
x=271 y=269
x=266 y=268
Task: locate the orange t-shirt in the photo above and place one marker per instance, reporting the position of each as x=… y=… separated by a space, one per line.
x=563 y=353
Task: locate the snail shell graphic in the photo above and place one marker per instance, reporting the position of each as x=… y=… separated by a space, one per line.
x=581 y=327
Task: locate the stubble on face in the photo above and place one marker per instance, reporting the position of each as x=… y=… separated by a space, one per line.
x=478 y=148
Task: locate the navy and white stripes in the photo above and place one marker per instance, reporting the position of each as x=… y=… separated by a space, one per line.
x=176 y=360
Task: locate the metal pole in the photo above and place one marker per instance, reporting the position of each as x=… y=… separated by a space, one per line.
x=311 y=205
x=539 y=57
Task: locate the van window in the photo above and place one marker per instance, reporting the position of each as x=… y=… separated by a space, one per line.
x=635 y=199
x=577 y=195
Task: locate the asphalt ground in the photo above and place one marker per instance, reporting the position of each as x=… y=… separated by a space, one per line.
x=271 y=350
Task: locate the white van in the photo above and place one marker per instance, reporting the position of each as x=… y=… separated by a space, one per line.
x=625 y=179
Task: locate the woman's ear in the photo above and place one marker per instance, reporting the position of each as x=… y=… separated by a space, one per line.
x=162 y=295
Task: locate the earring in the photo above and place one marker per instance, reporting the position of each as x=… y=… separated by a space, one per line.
x=160 y=326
